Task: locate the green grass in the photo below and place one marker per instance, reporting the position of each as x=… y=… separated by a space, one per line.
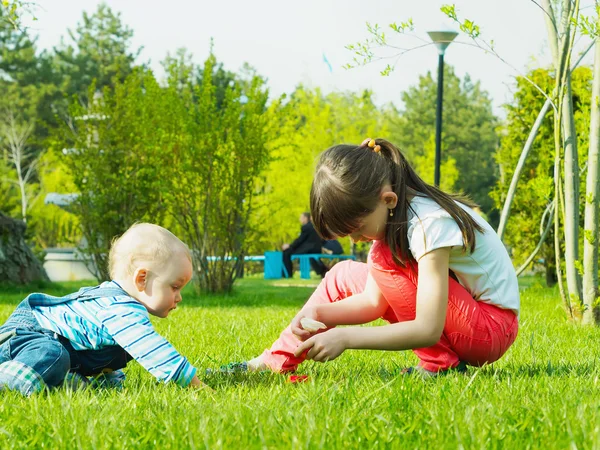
x=544 y=393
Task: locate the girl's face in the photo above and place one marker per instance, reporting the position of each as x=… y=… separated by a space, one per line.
x=372 y=226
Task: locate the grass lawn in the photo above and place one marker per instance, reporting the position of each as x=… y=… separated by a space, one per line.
x=544 y=393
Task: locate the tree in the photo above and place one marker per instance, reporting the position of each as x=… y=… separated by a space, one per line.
x=561 y=37
x=537 y=175
x=99 y=53
x=221 y=155
x=306 y=124
x=592 y=200
x=115 y=155
x=17 y=136
x=13 y=11
x=21 y=89
x=469 y=136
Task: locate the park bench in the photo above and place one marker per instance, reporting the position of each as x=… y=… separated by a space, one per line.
x=305 y=261
x=273 y=262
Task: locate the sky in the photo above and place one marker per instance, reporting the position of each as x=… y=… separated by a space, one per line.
x=287 y=41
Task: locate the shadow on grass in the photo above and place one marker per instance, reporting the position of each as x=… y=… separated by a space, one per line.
x=219 y=381
x=548 y=368
x=535 y=370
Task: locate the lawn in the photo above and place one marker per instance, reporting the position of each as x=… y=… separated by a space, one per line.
x=544 y=393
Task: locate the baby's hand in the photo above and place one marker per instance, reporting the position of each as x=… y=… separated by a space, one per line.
x=196 y=383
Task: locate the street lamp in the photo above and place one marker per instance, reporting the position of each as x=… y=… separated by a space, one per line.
x=442 y=40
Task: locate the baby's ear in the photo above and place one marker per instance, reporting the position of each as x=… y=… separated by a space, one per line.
x=140 y=277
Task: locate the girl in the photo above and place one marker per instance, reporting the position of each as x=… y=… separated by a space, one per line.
x=437 y=272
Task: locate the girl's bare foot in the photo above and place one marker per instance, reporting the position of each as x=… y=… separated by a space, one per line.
x=256 y=365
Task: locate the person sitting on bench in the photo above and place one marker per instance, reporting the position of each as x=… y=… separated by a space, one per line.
x=332 y=247
x=308 y=242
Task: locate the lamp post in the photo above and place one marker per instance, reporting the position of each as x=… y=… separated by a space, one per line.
x=442 y=40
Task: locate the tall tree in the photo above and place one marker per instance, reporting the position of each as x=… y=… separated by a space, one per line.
x=306 y=124
x=591 y=312
x=221 y=155
x=22 y=90
x=99 y=51
x=469 y=135
x=537 y=177
x=118 y=151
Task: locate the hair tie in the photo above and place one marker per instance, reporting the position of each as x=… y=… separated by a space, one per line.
x=370 y=143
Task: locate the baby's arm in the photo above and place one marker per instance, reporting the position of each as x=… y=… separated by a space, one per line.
x=130 y=327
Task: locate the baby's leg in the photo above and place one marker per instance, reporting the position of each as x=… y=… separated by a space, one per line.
x=32 y=360
x=343 y=280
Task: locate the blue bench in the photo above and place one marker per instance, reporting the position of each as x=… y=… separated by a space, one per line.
x=229 y=258
x=305 y=261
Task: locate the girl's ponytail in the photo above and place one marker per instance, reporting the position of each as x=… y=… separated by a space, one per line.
x=406 y=183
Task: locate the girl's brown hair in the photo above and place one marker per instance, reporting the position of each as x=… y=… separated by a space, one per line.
x=347 y=185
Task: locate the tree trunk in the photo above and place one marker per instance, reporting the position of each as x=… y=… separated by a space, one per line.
x=520 y=165
x=571 y=167
x=18 y=264
x=512 y=190
x=561 y=45
x=590 y=241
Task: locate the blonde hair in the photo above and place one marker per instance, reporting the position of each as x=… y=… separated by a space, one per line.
x=143 y=242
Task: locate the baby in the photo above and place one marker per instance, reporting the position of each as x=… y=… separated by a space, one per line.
x=98 y=330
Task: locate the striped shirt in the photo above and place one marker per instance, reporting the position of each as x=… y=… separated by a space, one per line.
x=95 y=323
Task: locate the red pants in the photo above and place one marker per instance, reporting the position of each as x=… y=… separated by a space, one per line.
x=475 y=332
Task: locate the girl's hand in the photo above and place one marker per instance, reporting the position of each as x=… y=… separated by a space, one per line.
x=302 y=334
x=324 y=346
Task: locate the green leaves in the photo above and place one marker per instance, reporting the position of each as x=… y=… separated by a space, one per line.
x=407 y=25
x=466 y=26
x=536 y=185
x=588 y=26
x=469 y=135
x=450 y=11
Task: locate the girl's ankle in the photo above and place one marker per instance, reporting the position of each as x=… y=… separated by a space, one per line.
x=256 y=365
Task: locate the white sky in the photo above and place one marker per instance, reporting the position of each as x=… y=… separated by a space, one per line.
x=285 y=41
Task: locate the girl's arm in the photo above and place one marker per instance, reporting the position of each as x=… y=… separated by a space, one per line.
x=356 y=309
x=424 y=331
x=432 y=302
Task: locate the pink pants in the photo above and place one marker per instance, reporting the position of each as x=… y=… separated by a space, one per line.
x=475 y=332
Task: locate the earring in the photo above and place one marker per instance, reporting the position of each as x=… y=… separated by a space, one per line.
x=391 y=213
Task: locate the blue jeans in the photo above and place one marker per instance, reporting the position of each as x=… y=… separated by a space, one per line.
x=25 y=342
x=27 y=347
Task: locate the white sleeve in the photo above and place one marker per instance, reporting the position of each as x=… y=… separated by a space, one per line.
x=432 y=233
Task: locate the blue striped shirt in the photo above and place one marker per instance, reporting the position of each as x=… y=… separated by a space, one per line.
x=94 y=323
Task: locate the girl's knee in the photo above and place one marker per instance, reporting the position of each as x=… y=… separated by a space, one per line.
x=346 y=278
x=347 y=266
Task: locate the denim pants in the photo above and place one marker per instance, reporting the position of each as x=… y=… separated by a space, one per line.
x=32 y=357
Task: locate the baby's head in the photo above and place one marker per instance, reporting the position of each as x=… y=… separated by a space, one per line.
x=152 y=265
